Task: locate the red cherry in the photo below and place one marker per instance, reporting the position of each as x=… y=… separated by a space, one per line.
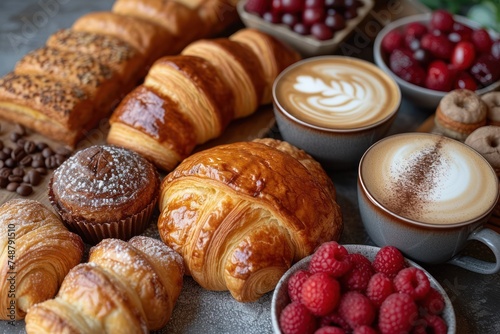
x=415 y=29
x=442 y=20
x=321 y=31
x=465 y=81
x=315 y=4
x=463 y=55
x=464 y=31
x=272 y=17
x=438 y=76
x=311 y=16
x=277 y=6
x=392 y=41
x=301 y=29
x=485 y=70
x=335 y=22
x=257 y=6
x=290 y=19
x=482 y=40
x=495 y=49
x=292 y=6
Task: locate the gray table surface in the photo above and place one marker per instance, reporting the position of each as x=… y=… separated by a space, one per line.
x=26 y=24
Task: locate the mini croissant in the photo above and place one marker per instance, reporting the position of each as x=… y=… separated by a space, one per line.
x=36 y=253
x=241 y=214
x=131 y=286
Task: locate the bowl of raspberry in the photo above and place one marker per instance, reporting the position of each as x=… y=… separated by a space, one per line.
x=431 y=54
x=360 y=289
x=312 y=27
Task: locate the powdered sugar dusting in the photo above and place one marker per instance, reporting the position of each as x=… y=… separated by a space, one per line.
x=101 y=176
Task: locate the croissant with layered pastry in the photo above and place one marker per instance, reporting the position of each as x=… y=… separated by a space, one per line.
x=241 y=214
x=64 y=89
x=127 y=286
x=189 y=99
x=36 y=253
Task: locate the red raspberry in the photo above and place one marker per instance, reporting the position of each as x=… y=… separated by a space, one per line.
x=334 y=320
x=414 y=74
x=330 y=330
x=257 y=6
x=379 y=288
x=389 y=261
x=295 y=284
x=358 y=277
x=416 y=30
x=364 y=330
x=433 y=302
x=482 y=40
x=412 y=281
x=400 y=60
x=296 y=319
x=392 y=41
x=438 y=45
x=485 y=70
x=397 y=314
x=439 y=77
x=442 y=20
x=320 y=293
x=330 y=258
x=435 y=324
x=356 y=309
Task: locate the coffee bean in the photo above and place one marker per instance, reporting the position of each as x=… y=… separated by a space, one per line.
x=5 y=172
x=19 y=171
x=3 y=182
x=11 y=163
x=15 y=178
x=47 y=152
x=29 y=147
x=7 y=150
x=21 y=142
x=12 y=186
x=50 y=162
x=41 y=170
x=18 y=153
x=19 y=129
x=38 y=164
x=37 y=156
x=14 y=137
x=41 y=146
x=26 y=161
x=32 y=177
x=24 y=190
x=4 y=156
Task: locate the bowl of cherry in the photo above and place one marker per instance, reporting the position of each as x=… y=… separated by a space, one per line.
x=360 y=289
x=431 y=54
x=312 y=27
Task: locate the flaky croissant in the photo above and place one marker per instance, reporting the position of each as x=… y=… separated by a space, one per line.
x=36 y=253
x=197 y=94
x=241 y=214
x=127 y=286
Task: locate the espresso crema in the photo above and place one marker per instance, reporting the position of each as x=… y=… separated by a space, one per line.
x=429 y=178
x=337 y=93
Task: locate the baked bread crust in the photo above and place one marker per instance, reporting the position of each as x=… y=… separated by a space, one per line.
x=239 y=214
x=45 y=251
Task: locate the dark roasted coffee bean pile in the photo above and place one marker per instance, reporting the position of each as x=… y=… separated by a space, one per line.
x=24 y=163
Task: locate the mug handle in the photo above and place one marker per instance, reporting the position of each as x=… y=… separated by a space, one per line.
x=491 y=239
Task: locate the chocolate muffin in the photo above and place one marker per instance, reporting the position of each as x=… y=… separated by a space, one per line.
x=105 y=192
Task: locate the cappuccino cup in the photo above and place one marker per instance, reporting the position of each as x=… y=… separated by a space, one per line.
x=334 y=107
x=428 y=195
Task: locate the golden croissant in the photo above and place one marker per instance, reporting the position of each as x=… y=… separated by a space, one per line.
x=127 y=286
x=189 y=99
x=241 y=214
x=36 y=253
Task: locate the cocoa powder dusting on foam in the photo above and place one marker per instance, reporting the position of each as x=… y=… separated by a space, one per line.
x=413 y=187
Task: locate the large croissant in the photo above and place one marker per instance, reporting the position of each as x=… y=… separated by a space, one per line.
x=36 y=253
x=127 y=286
x=241 y=214
x=189 y=99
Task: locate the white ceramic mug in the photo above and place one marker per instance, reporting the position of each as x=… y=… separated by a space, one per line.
x=428 y=195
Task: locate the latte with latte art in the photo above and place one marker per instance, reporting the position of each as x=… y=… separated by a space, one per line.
x=337 y=93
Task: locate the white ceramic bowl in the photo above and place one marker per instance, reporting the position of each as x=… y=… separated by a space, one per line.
x=421 y=96
x=306 y=45
x=281 y=299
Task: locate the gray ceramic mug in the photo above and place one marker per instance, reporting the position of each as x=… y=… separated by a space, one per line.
x=428 y=195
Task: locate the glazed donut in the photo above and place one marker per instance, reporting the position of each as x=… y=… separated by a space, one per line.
x=492 y=100
x=459 y=113
x=486 y=141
